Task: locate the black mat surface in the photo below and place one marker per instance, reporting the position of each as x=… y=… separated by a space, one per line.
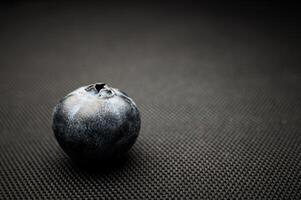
x=218 y=91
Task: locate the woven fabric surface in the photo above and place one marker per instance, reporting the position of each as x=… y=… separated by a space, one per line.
x=219 y=98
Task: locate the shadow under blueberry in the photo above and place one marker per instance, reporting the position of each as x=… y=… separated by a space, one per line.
x=136 y=156
x=104 y=167
x=98 y=167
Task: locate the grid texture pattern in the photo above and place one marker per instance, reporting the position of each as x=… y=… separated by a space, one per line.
x=219 y=98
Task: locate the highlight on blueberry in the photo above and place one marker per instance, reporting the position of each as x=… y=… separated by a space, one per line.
x=96 y=123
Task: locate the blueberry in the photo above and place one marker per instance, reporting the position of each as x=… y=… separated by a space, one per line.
x=96 y=123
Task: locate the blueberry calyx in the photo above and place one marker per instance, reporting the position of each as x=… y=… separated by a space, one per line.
x=100 y=89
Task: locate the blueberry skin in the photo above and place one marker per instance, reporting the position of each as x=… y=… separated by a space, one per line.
x=96 y=123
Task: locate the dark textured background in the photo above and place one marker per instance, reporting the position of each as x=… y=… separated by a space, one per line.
x=218 y=87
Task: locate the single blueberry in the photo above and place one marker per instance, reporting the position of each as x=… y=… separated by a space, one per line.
x=96 y=123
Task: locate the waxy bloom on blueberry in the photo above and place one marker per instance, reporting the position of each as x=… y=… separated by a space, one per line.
x=96 y=123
